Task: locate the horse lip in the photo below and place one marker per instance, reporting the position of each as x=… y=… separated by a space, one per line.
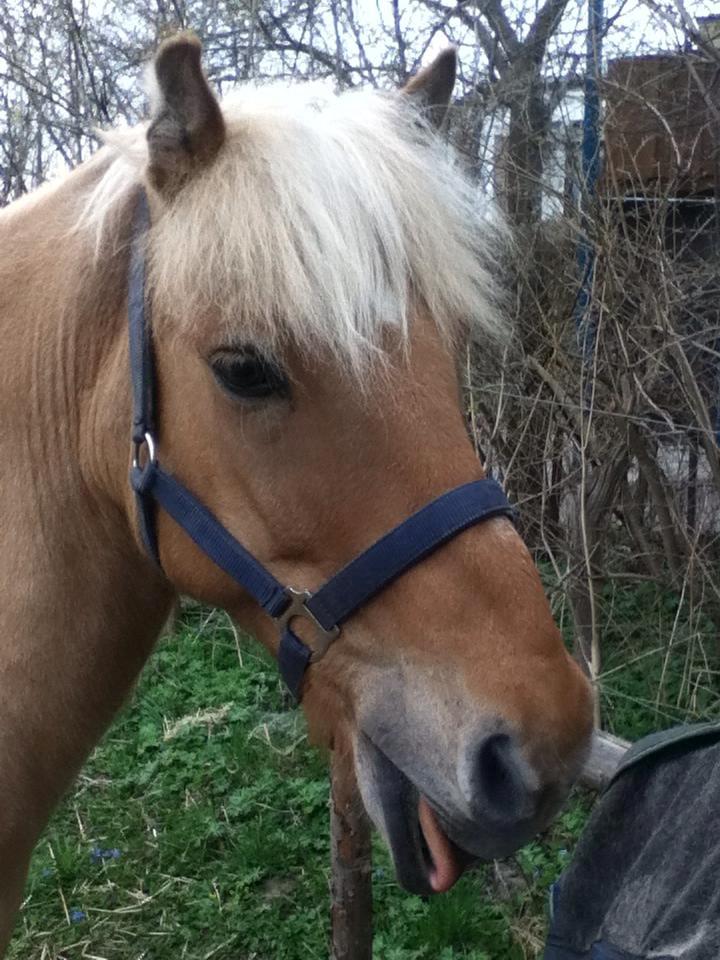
x=399 y=799
x=396 y=800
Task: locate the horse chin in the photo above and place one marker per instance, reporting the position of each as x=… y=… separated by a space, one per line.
x=426 y=860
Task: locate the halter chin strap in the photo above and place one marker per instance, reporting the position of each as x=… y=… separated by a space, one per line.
x=354 y=585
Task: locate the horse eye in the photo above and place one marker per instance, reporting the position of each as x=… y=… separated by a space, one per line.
x=247 y=374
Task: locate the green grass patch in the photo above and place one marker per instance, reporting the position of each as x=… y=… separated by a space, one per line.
x=660 y=654
x=660 y=661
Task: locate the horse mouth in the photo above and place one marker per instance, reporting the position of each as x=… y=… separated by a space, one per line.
x=425 y=858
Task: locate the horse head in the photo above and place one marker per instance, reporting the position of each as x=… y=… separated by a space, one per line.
x=315 y=264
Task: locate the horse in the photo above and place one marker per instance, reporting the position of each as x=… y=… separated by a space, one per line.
x=310 y=265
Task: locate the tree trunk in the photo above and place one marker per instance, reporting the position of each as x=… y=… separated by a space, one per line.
x=524 y=157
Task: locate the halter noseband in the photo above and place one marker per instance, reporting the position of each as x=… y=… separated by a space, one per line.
x=339 y=597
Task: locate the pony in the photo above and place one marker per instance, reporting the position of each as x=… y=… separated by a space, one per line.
x=314 y=263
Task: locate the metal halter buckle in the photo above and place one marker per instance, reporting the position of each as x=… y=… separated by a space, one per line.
x=148 y=442
x=297 y=607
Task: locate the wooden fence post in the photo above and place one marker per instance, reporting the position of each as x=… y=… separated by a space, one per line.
x=351 y=864
x=605 y=754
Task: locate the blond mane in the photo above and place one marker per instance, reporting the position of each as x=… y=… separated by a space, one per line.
x=324 y=219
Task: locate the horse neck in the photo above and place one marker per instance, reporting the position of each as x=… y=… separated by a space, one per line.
x=81 y=605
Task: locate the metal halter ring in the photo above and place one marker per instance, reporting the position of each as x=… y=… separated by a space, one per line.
x=148 y=441
x=297 y=607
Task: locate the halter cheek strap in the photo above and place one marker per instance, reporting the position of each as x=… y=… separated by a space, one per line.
x=343 y=594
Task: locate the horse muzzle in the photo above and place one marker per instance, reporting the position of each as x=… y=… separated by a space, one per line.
x=436 y=830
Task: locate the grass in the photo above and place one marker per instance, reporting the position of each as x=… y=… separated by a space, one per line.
x=660 y=655
x=199 y=829
x=661 y=663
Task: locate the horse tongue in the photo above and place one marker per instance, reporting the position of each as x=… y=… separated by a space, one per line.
x=446 y=868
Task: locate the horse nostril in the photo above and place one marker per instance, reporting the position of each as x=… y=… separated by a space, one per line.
x=505 y=786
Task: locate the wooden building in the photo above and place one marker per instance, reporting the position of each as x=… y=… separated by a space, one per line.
x=662 y=126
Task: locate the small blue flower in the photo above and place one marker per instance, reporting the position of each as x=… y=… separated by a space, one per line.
x=379 y=873
x=77 y=916
x=98 y=855
x=47 y=872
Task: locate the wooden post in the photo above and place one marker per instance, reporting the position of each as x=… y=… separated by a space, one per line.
x=605 y=754
x=351 y=864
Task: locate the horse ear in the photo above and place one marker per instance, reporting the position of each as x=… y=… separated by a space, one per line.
x=432 y=87
x=187 y=128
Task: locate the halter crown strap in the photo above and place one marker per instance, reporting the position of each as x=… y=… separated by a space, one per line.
x=142 y=371
x=343 y=594
x=141 y=356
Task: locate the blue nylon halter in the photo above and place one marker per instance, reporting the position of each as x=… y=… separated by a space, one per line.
x=339 y=597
